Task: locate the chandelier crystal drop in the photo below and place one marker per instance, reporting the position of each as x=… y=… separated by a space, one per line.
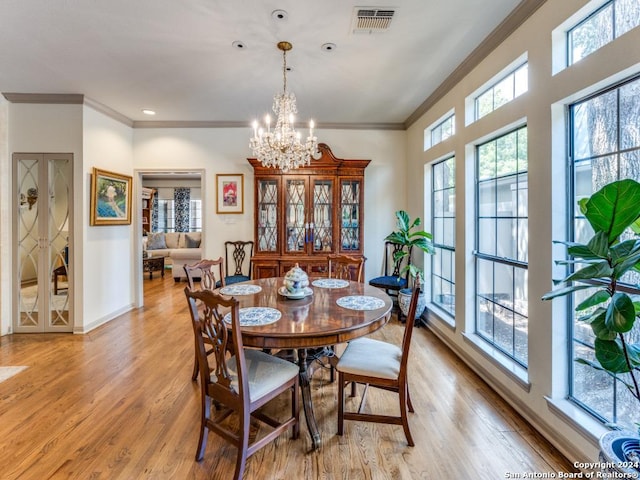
x=281 y=146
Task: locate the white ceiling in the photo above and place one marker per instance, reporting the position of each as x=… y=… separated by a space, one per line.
x=176 y=56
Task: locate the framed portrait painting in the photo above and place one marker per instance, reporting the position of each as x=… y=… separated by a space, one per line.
x=110 y=198
x=230 y=193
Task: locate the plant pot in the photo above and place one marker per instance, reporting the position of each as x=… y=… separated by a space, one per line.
x=620 y=454
x=404 y=299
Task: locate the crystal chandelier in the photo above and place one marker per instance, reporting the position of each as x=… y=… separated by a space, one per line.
x=281 y=146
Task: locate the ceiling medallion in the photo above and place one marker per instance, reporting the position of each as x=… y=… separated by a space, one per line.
x=281 y=146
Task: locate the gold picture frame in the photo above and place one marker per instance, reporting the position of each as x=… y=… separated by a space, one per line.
x=110 y=198
x=229 y=193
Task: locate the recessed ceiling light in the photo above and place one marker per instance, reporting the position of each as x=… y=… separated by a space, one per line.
x=328 y=47
x=148 y=111
x=239 y=45
x=279 y=15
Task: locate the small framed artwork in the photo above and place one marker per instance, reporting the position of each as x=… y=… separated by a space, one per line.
x=230 y=193
x=110 y=198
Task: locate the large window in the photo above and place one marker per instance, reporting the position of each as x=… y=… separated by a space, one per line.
x=502 y=241
x=443 y=227
x=503 y=91
x=610 y=21
x=195 y=216
x=604 y=146
x=166 y=216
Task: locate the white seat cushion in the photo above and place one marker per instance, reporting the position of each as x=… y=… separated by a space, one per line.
x=371 y=358
x=265 y=373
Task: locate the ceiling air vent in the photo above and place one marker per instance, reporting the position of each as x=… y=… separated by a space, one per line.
x=372 y=20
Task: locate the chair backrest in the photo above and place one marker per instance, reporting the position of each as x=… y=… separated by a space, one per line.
x=241 y=254
x=389 y=265
x=208 y=271
x=224 y=379
x=408 y=330
x=346 y=267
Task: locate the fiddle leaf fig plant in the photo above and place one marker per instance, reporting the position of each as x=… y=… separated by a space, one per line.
x=600 y=264
x=409 y=235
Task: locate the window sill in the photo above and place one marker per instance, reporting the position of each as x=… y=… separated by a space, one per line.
x=504 y=363
x=433 y=312
x=590 y=428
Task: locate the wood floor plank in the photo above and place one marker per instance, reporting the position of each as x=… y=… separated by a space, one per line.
x=119 y=403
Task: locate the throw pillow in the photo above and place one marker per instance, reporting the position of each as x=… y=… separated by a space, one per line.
x=156 y=241
x=192 y=242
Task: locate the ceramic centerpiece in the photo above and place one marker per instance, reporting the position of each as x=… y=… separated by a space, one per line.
x=296 y=282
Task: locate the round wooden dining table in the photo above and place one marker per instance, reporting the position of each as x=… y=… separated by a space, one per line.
x=334 y=311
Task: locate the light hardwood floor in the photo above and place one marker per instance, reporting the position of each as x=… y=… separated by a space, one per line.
x=119 y=403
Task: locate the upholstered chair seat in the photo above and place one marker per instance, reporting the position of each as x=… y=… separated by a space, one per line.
x=371 y=358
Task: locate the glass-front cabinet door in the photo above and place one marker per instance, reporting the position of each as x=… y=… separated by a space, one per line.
x=297 y=228
x=267 y=214
x=322 y=220
x=350 y=215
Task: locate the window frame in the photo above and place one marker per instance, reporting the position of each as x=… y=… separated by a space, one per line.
x=479 y=256
x=510 y=71
x=572 y=217
x=450 y=311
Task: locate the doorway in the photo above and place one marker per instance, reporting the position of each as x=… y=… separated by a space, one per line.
x=42 y=223
x=166 y=211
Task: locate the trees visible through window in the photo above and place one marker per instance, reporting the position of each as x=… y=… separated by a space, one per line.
x=503 y=91
x=443 y=225
x=502 y=241
x=611 y=20
x=604 y=146
x=443 y=130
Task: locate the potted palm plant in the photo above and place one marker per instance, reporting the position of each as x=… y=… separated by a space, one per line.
x=409 y=235
x=611 y=312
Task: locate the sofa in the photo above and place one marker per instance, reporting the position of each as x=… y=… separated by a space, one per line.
x=178 y=248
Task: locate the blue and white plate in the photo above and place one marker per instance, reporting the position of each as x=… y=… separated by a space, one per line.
x=330 y=283
x=240 y=289
x=360 y=302
x=256 y=316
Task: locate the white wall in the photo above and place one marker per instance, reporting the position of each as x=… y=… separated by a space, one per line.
x=5 y=221
x=39 y=129
x=107 y=257
x=226 y=151
x=540 y=399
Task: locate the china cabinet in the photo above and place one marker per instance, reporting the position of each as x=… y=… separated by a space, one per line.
x=303 y=215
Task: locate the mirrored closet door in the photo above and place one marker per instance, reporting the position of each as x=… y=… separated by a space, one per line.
x=42 y=216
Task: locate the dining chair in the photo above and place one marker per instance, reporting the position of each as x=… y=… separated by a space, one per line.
x=239 y=383
x=380 y=365
x=204 y=272
x=392 y=280
x=346 y=267
x=241 y=253
x=208 y=272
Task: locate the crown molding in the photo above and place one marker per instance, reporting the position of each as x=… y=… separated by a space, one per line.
x=108 y=111
x=188 y=124
x=361 y=126
x=53 y=98
x=515 y=19
x=66 y=99
x=221 y=124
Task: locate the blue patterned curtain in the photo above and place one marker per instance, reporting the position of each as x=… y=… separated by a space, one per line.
x=182 y=203
x=154 y=212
